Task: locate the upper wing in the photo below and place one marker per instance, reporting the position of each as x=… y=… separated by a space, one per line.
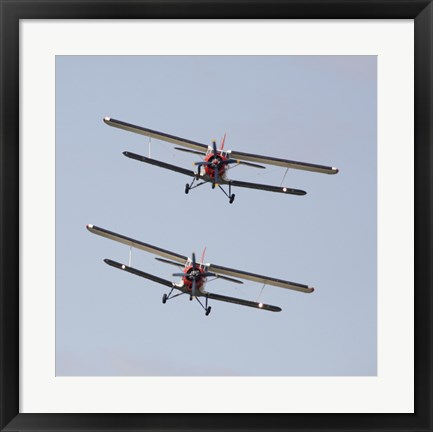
x=137 y=244
x=155 y=134
x=283 y=162
x=243 y=302
x=280 y=189
x=261 y=279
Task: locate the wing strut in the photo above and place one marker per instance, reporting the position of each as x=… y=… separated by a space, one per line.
x=261 y=291
x=284 y=176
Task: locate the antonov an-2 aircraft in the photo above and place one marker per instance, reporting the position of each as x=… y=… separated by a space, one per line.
x=215 y=162
x=194 y=274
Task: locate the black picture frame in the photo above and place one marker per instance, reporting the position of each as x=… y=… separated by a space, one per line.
x=14 y=10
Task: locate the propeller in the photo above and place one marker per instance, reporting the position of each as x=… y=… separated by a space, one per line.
x=194 y=274
x=194 y=277
x=231 y=161
x=252 y=164
x=216 y=162
x=197 y=272
x=218 y=276
x=191 y=151
x=168 y=262
x=216 y=158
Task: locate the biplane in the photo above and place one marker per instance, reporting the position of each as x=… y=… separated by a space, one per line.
x=194 y=274
x=215 y=162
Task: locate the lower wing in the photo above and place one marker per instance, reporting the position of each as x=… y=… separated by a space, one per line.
x=159 y=164
x=280 y=189
x=139 y=273
x=243 y=302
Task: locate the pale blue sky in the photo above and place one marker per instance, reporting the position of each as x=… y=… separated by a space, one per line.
x=318 y=109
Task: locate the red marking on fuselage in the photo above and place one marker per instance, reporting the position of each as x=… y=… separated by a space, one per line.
x=210 y=170
x=200 y=281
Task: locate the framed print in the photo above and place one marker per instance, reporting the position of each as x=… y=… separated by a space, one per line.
x=342 y=87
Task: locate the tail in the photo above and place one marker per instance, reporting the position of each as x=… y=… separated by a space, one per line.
x=202 y=255
x=222 y=142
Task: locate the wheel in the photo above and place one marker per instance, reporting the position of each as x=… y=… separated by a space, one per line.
x=164 y=298
x=187 y=188
x=190 y=298
x=232 y=198
x=208 y=310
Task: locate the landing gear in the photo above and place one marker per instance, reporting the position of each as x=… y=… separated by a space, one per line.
x=229 y=195
x=190 y=298
x=168 y=296
x=206 y=308
x=191 y=185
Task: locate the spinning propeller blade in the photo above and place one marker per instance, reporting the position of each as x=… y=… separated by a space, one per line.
x=194 y=275
x=252 y=165
x=229 y=279
x=193 y=288
x=191 y=151
x=168 y=261
x=215 y=151
x=216 y=177
x=202 y=163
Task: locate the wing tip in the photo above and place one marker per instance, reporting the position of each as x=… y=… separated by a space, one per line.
x=271 y=308
x=291 y=191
